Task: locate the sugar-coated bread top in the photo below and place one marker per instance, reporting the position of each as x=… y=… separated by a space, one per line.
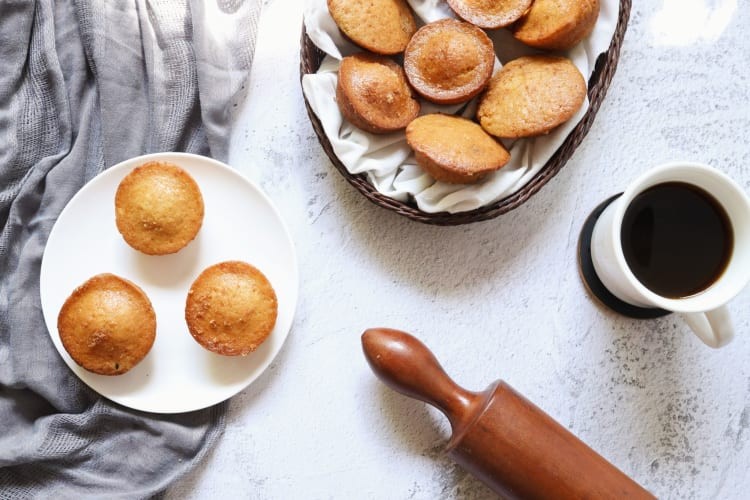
x=454 y=149
x=449 y=61
x=231 y=308
x=373 y=94
x=158 y=208
x=490 y=14
x=380 y=26
x=107 y=325
x=557 y=24
x=530 y=96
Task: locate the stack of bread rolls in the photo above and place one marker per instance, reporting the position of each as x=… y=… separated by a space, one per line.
x=451 y=61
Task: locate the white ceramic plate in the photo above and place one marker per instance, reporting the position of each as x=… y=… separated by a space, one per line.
x=240 y=223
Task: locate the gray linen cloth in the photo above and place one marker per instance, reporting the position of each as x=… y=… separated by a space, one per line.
x=85 y=84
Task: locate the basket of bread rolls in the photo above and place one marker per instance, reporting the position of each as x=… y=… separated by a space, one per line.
x=456 y=111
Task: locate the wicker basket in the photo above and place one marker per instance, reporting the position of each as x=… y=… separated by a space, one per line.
x=311 y=57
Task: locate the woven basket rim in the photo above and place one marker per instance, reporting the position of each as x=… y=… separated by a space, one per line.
x=606 y=64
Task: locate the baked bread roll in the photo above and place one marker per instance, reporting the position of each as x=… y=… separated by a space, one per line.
x=453 y=149
x=373 y=94
x=107 y=325
x=449 y=61
x=380 y=26
x=557 y=24
x=530 y=96
x=158 y=208
x=231 y=308
x=490 y=14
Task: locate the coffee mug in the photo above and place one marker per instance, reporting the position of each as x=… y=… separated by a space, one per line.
x=705 y=310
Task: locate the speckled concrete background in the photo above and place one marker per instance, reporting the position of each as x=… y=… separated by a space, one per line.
x=495 y=299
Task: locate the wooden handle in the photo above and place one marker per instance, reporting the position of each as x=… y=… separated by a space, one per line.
x=406 y=365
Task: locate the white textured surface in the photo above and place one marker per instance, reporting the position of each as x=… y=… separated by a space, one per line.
x=495 y=299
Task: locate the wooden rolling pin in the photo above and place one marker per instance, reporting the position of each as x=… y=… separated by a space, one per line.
x=499 y=436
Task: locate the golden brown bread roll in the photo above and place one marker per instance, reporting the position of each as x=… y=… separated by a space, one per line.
x=158 y=208
x=380 y=26
x=107 y=325
x=490 y=14
x=449 y=61
x=453 y=149
x=231 y=308
x=373 y=94
x=530 y=96
x=557 y=24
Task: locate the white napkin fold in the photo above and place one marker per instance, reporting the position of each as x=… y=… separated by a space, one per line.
x=389 y=162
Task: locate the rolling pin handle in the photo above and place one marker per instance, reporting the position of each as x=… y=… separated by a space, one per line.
x=407 y=366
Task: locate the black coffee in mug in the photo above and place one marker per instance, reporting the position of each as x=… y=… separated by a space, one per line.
x=677 y=239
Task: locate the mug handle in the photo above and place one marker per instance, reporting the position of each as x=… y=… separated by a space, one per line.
x=714 y=327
